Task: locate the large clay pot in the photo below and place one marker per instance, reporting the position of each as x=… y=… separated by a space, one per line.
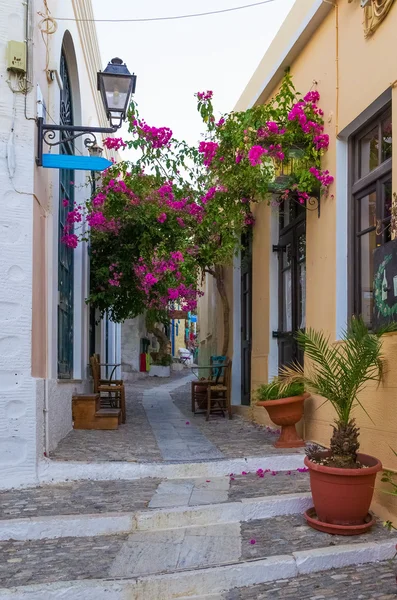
x=343 y=496
x=286 y=412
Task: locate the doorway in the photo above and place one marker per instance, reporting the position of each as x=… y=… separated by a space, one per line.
x=246 y=318
x=291 y=250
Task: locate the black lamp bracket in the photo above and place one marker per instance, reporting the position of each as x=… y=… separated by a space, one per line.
x=47 y=134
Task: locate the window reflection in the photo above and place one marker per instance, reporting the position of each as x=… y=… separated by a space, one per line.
x=386 y=139
x=369 y=151
x=368 y=211
x=367 y=246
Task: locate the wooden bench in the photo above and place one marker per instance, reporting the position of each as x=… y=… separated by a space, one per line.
x=88 y=414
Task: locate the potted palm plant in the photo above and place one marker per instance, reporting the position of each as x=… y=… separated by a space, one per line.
x=342 y=480
x=284 y=403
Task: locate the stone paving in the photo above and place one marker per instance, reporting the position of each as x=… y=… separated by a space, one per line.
x=161 y=428
x=142 y=439
x=94 y=497
x=252 y=486
x=66 y=559
x=364 y=582
x=236 y=438
x=191 y=492
x=159 y=551
x=87 y=497
x=178 y=439
x=287 y=534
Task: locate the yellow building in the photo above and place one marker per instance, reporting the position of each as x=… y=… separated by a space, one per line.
x=320 y=271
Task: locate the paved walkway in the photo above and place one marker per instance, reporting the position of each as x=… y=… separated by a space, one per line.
x=234 y=536
x=177 y=438
x=161 y=428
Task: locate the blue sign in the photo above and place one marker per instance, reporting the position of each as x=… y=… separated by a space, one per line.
x=75 y=163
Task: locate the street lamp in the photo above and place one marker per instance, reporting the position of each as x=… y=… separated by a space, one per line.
x=116 y=84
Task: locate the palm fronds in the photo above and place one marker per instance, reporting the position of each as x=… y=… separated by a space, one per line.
x=338 y=371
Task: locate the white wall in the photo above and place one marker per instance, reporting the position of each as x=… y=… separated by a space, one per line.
x=132 y=331
x=18 y=418
x=36 y=414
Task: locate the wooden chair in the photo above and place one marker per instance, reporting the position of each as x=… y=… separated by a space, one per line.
x=111 y=391
x=199 y=387
x=219 y=394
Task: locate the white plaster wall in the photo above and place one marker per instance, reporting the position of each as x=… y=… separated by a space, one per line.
x=18 y=418
x=23 y=399
x=85 y=107
x=132 y=330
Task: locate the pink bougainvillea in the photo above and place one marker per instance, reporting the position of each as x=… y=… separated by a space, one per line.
x=255 y=153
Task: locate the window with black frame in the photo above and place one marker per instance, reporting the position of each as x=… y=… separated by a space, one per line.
x=371 y=197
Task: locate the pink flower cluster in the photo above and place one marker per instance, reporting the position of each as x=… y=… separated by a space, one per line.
x=70 y=240
x=209 y=195
x=114 y=143
x=115 y=276
x=97 y=220
x=99 y=200
x=312 y=96
x=255 y=153
x=158 y=137
x=74 y=216
x=276 y=151
x=205 y=95
x=249 y=219
x=322 y=176
x=209 y=150
x=239 y=156
x=162 y=217
x=271 y=128
x=321 y=141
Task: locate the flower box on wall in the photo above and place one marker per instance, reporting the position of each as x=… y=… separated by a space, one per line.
x=385 y=285
x=159 y=371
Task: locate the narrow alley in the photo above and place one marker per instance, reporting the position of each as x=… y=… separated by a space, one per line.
x=190 y=525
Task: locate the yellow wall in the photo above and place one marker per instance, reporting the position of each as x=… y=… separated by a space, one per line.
x=180 y=338
x=365 y=72
x=210 y=318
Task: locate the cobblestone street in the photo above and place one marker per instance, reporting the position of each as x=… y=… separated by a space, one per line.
x=215 y=535
x=136 y=440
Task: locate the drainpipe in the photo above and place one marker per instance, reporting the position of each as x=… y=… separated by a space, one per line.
x=46 y=420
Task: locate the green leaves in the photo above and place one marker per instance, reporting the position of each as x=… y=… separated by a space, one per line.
x=338 y=371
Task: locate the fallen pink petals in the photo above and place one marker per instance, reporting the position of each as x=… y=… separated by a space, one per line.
x=252 y=542
x=187 y=422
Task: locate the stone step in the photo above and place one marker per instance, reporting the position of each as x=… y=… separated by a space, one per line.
x=60 y=471
x=86 y=525
x=106 y=507
x=186 y=561
x=357 y=582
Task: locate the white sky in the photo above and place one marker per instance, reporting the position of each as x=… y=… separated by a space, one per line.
x=175 y=59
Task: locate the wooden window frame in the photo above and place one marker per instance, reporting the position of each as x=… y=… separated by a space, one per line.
x=359 y=188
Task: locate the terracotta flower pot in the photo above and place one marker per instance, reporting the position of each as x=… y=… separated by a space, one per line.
x=343 y=496
x=286 y=412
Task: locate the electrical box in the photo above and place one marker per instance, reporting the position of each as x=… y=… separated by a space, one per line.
x=16 y=57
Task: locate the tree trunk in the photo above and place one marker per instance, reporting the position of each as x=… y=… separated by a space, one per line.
x=160 y=335
x=220 y=284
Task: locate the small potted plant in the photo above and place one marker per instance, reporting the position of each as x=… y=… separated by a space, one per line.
x=342 y=480
x=161 y=367
x=284 y=403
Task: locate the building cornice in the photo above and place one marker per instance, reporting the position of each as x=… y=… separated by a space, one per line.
x=86 y=27
x=89 y=42
x=291 y=47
